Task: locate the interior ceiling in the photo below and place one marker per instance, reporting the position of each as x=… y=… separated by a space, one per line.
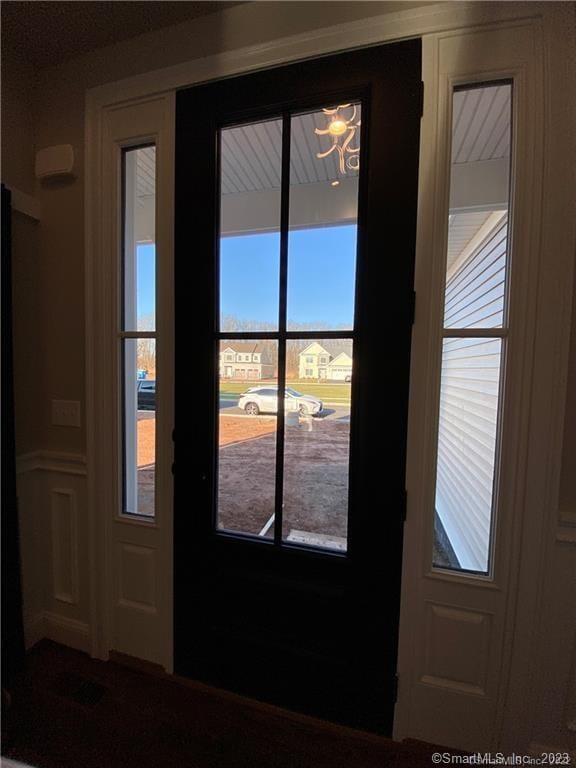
x=48 y=33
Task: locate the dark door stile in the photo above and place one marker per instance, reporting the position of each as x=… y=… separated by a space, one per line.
x=310 y=630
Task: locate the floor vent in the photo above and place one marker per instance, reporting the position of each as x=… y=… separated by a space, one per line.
x=79 y=689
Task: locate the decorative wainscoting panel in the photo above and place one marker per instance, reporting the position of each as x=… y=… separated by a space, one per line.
x=136 y=618
x=137 y=584
x=54 y=547
x=65 y=545
x=456 y=650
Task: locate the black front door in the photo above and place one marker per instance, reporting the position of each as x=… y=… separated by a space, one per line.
x=295 y=233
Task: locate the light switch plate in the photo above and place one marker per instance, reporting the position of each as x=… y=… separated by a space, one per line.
x=66 y=413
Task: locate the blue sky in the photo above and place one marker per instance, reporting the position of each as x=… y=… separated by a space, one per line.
x=321 y=271
x=145 y=282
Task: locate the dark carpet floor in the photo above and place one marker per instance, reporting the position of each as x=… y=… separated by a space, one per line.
x=69 y=710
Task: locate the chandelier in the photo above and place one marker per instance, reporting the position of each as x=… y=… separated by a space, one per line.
x=342 y=129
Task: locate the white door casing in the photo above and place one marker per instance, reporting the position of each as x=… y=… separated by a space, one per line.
x=443 y=697
x=132 y=599
x=453 y=639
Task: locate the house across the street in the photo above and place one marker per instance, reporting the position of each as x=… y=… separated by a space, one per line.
x=245 y=360
x=316 y=362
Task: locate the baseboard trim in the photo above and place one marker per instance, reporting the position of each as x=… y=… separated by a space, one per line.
x=71 y=632
x=34 y=629
x=52 y=461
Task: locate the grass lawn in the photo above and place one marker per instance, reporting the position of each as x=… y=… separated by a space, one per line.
x=330 y=392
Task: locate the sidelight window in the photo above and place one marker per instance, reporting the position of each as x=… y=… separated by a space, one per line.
x=475 y=327
x=137 y=333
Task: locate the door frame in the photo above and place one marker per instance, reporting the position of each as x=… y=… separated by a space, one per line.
x=386 y=81
x=544 y=349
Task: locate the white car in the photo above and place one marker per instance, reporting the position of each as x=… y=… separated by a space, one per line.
x=265 y=400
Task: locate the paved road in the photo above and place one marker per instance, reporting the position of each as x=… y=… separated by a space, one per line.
x=229 y=407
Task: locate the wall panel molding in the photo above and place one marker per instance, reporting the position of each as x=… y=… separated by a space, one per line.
x=54 y=545
x=457 y=646
x=61 y=629
x=70 y=632
x=64 y=519
x=137 y=583
x=52 y=461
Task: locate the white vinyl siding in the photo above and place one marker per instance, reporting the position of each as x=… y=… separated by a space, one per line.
x=475 y=291
x=467 y=445
x=469 y=400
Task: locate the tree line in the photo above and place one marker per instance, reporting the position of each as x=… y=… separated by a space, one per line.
x=294 y=347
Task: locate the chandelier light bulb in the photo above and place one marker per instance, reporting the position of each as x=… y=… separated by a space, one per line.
x=347 y=155
x=337 y=127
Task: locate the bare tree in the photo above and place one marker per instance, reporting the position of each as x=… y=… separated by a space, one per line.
x=294 y=347
x=146 y=348
x=146 y=354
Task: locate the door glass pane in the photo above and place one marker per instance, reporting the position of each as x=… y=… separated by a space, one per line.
x=479 y=198
x=139 y=399
x=475 y=299
x=139 y=274
x=467 y=432
x=317 y=442
x=248 y=406
x=324 y=168
x=250 y=175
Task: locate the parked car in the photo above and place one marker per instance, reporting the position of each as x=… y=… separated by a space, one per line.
x=265 y=400
x=147 y=394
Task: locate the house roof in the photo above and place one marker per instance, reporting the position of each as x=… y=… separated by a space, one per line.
x=314 y=343
x=342 y=359
x=241 y=346
x=332 y=347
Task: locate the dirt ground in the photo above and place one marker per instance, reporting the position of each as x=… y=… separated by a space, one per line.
x=233 y=431
x=315 y=478
x=315 y=474
x=146 y=456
